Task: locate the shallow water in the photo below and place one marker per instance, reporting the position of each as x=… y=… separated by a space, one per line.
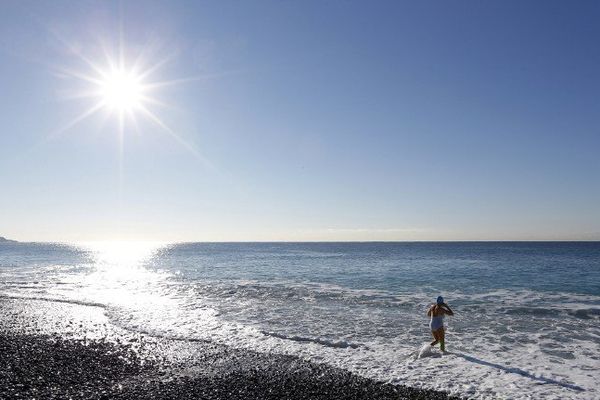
x=526 y=324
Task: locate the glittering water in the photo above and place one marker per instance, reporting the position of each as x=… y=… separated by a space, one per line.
x=527 y=317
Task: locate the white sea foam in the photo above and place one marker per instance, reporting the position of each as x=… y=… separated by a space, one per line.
x=426 y=351
x=493 y=354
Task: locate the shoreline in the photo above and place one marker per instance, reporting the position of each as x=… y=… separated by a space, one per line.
x=62 y=350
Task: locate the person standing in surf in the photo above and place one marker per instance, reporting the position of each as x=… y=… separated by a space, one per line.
x=437 y=312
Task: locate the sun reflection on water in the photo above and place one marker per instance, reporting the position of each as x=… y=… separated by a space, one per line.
x=123 y=255
x=120 y=274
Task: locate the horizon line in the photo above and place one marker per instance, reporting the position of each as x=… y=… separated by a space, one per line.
x=7 y=240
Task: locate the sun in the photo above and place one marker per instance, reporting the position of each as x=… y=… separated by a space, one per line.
x=123 y=85
x=121 y=90
x=125 y=90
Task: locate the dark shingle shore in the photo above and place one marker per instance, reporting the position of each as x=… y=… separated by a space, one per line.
x=88 y=361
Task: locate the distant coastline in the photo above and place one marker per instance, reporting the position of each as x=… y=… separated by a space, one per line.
x=5 y=240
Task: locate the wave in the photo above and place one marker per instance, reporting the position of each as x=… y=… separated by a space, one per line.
x=340 y=344
x=54 y=300
x=287 y=291
x=581 y=313
x=586 y=314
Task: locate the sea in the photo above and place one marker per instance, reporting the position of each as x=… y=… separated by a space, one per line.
x=526 y=318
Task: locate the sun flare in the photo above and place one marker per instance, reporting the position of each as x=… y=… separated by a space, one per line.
x=121 y=90
x=124 y=86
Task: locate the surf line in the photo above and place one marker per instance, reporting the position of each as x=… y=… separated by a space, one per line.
x=53 y=300
x=327 y=343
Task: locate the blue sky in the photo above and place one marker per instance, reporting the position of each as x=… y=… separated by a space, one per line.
x=336 y=120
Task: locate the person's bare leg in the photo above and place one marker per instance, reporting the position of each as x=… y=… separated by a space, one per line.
x=442 y=338
x=436 y=337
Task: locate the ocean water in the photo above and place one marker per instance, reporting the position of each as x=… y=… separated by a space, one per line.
x=526 y=324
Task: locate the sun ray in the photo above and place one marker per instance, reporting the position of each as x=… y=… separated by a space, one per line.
x=121 y=149
x=152 y=100
x=181 y=81
x=78 y=95
x=74 y=74
x=73 y=49
x=148 y=71
x=131 y=114
x=86 y=114
x=108 y=57
x=177 y=138
x=167 y=129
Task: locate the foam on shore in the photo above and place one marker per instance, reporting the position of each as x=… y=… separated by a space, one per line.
x=63 y=350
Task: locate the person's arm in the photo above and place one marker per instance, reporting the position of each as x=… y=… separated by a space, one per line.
x=448 y=310
x=429 y=311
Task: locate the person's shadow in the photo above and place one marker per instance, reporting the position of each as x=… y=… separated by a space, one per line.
x=519 y=371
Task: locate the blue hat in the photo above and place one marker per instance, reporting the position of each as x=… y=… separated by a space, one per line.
x=440 y=300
